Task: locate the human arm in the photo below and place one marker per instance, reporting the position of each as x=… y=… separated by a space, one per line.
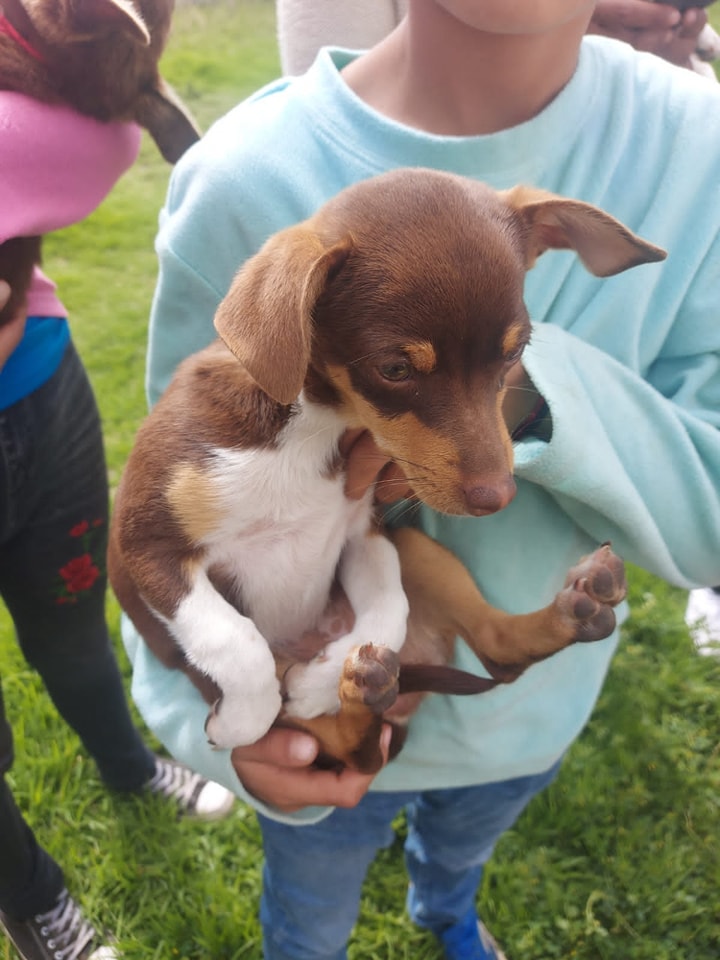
x=655 y=27
x=630 y=445
x=632 y=459
x=10 y=333
x=57 y=165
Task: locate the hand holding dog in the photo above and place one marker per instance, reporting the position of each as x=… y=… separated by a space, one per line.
x=654 y=27
x=278 y=771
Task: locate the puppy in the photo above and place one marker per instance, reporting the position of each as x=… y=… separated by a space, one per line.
x=100 y=58
x=397 y=308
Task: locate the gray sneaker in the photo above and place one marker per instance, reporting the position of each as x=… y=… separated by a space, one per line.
x=61 y=933
x=196 y=796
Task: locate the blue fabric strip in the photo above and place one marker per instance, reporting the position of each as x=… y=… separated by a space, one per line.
x=35 y=359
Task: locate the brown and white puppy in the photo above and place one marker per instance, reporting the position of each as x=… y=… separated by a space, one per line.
x=101 y=58
x=398 y=307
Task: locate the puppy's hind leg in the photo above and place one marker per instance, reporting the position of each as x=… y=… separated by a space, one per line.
x=351 y=736
x=445 y=600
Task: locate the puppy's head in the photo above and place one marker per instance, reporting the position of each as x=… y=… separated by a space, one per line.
x=401 y=303
x=101 y=57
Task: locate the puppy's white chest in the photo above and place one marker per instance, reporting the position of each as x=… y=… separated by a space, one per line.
x=282 y=522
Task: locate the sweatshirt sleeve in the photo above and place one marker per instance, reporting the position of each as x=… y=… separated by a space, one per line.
x=635 y=454
x=57 y=165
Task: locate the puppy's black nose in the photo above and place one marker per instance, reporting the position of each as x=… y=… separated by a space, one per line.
x=482 y=499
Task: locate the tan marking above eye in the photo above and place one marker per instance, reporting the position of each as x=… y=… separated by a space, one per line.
x=194 y=502
x=514 y=339
x=422 y=356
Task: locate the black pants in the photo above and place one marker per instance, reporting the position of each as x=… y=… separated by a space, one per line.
x=53 y=537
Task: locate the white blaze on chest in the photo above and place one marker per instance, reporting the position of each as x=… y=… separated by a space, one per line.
x=283 y=520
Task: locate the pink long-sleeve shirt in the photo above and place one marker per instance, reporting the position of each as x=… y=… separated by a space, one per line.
x=56 y=167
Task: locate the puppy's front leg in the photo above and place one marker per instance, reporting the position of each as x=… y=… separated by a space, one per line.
x=370 y=575
x=229 y=648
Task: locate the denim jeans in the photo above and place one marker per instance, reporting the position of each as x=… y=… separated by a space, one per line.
x=313 y=875
x=53 y=538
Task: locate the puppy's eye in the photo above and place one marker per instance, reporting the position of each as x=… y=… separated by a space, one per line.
x=512 y=358
x=396 y=371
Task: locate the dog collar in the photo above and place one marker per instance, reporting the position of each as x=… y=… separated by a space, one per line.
x=9 y=30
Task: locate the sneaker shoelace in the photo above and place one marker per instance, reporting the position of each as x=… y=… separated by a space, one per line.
x=177 y=782
x=66 y=932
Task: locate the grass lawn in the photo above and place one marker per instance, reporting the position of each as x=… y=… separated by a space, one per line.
x=619 y=860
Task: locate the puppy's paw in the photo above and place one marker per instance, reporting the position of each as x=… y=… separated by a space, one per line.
x=592 y=588
x=235 y=722
x=312 y=687
x=370 y=677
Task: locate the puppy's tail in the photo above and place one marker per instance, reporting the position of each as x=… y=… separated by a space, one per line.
x=437 y=678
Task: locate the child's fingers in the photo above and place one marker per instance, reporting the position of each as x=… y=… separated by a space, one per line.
x=277 y=770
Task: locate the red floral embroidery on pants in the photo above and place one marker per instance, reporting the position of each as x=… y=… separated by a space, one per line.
x=80 y=573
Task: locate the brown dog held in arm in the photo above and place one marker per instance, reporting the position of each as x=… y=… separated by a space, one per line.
x=397 y=308
x=99 y=57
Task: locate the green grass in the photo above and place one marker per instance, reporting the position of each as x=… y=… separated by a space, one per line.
x=619 y=859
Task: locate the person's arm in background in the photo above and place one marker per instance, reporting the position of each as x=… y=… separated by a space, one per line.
x=306 y=25
x=657 y=28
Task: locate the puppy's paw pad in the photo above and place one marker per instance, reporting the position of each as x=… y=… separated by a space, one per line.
x=603 y=574
x=588 y=618
x=370 y=676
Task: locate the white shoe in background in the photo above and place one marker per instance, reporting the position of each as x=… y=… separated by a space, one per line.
x=703 y=618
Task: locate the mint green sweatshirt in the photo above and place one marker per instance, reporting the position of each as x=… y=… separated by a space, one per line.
x=630 y=366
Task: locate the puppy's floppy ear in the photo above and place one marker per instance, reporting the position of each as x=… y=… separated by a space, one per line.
x=266 y=317
x=604 y=245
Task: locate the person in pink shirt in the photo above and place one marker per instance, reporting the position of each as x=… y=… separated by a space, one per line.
x=57 y=166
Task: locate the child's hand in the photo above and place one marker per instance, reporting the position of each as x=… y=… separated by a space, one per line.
x=10 y=333
x=656 y=27
x=521 y=397
x=278 y=771
x=367 y=465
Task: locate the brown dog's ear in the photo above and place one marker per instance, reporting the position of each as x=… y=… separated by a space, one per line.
x=92 y=18
x=164 y=116
x=604 y=245
x=266 y=317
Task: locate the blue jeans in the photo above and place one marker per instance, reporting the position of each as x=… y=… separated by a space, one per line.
x=313 y=874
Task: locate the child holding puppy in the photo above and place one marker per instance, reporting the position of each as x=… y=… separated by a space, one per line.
x=505 y=93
